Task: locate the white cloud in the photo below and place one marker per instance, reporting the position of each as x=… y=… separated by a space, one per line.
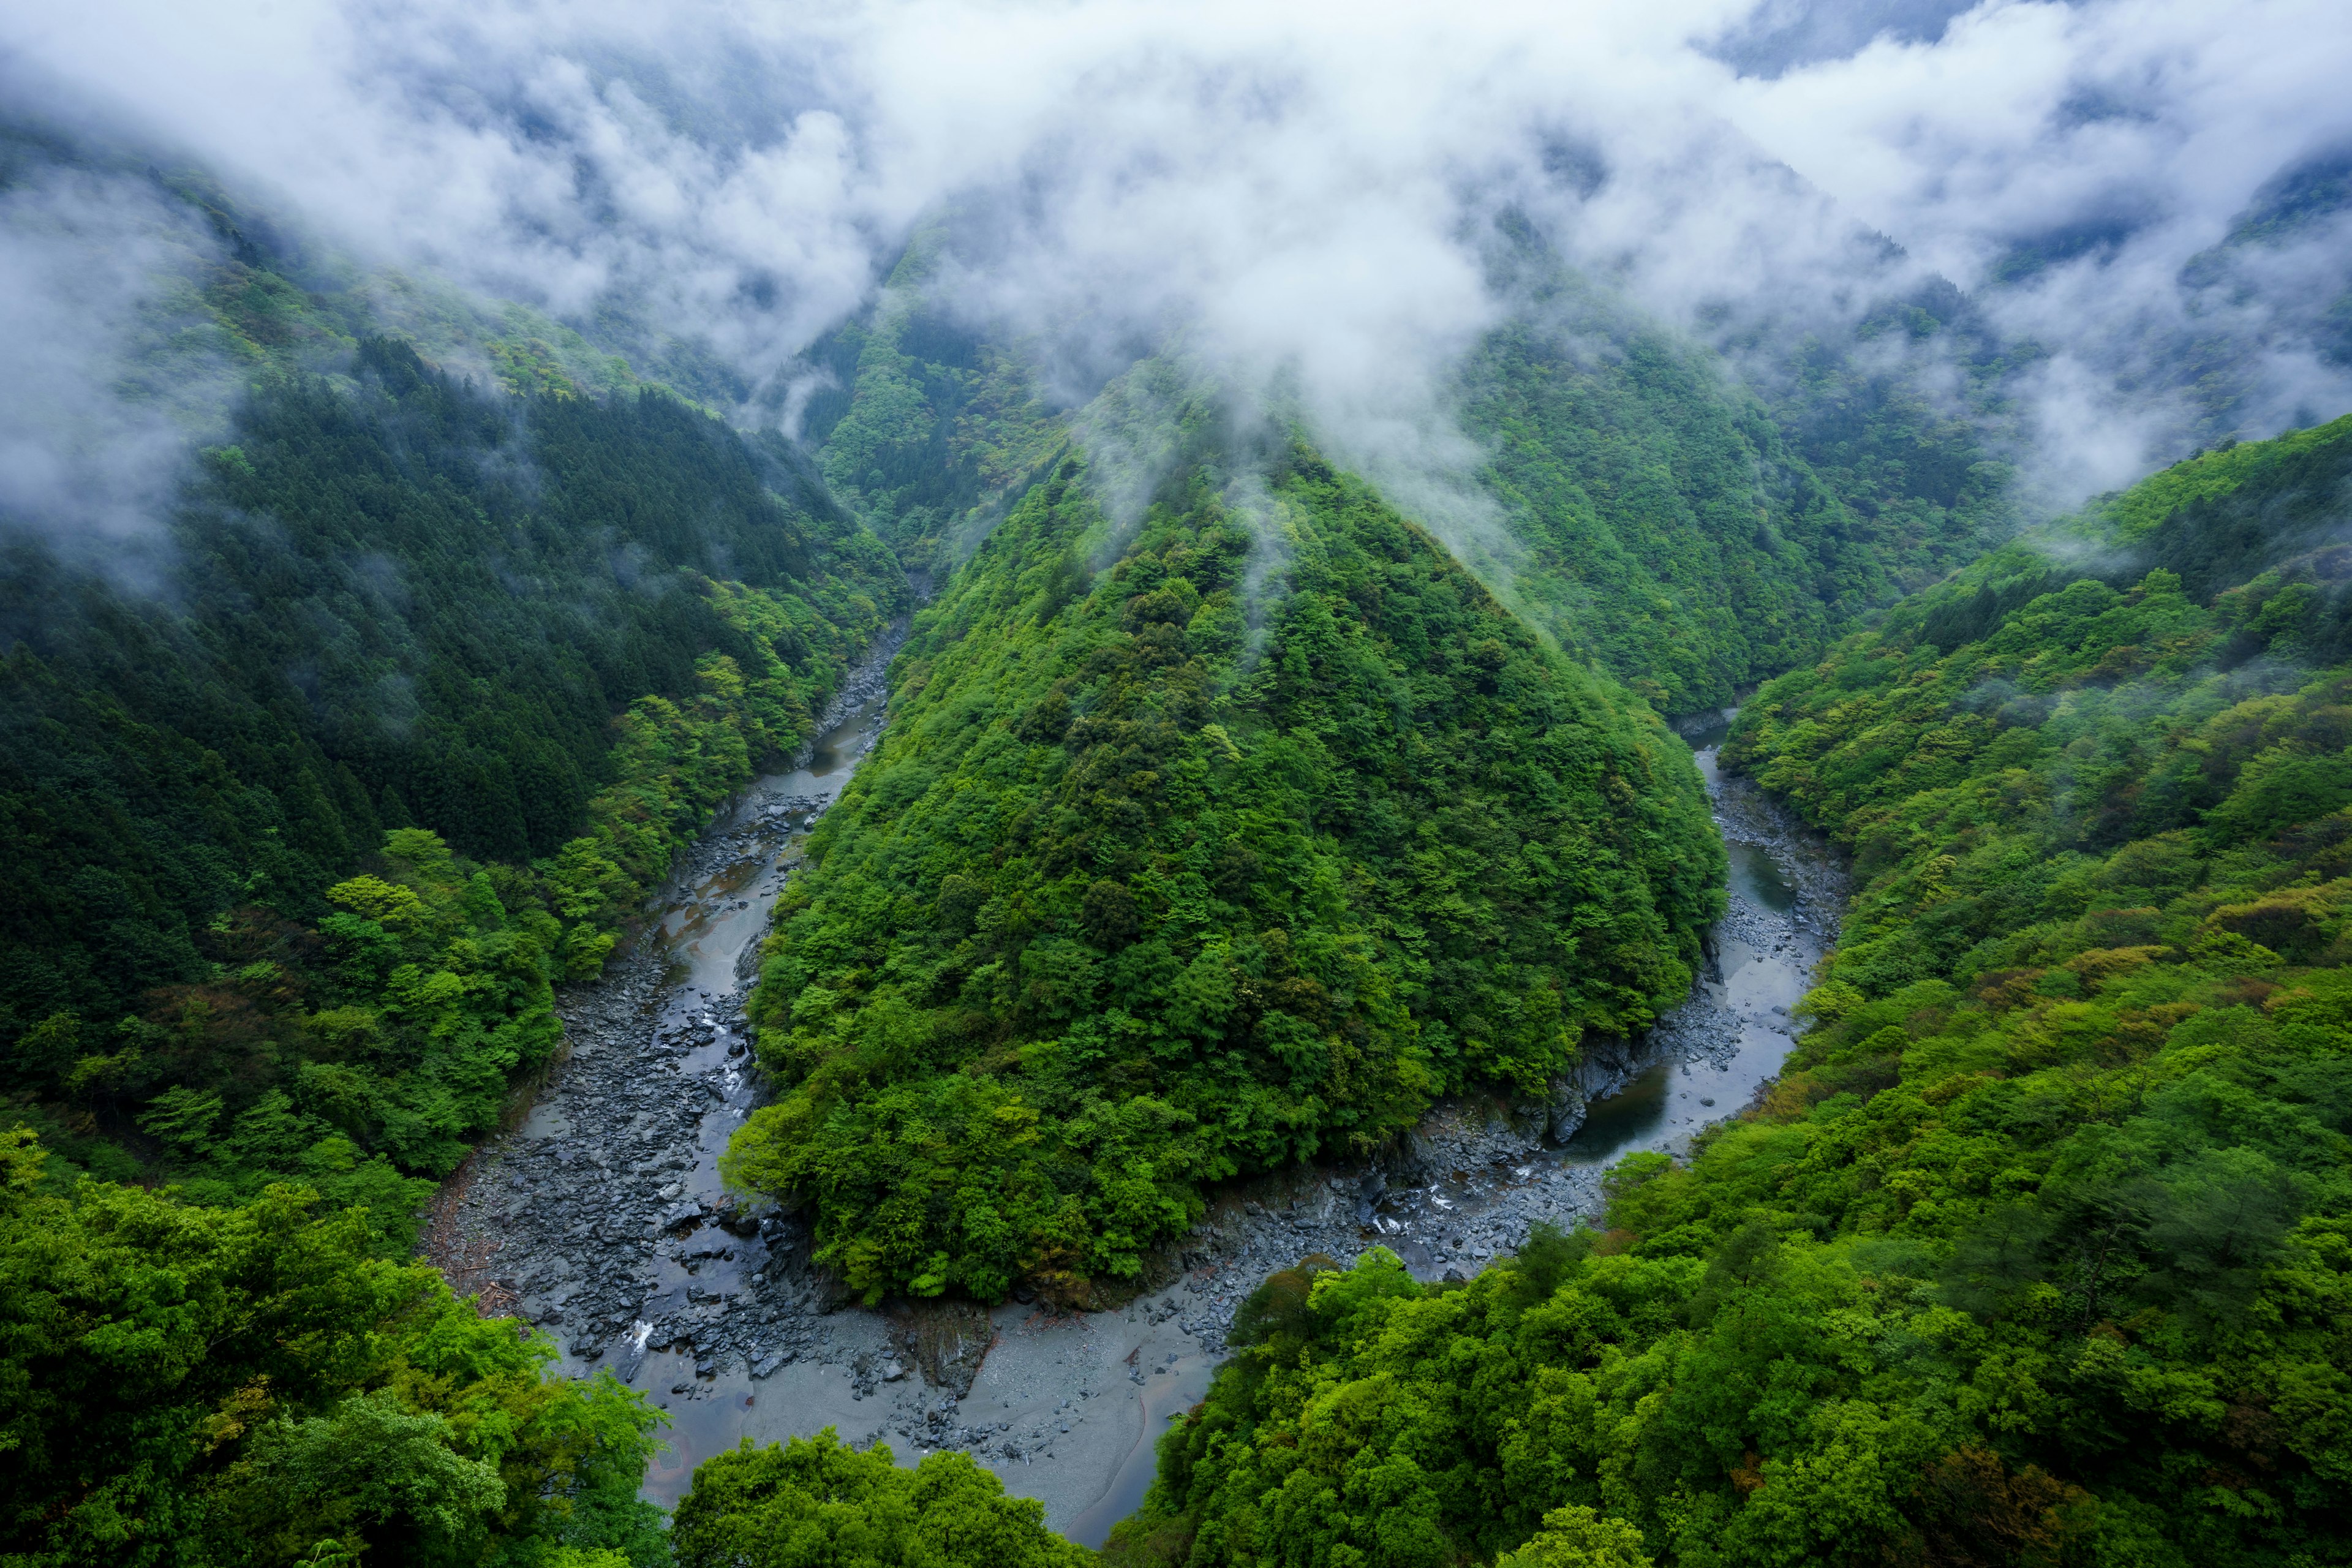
x=1303 y=185
x=108 y=376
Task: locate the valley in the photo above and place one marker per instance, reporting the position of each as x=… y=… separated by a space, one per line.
x=603 y=1218
x=1144 y=787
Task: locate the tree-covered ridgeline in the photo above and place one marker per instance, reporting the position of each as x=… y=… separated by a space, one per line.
x=925 y=424
x=1692 y=520
x=295 y=847
x=2041 y=1251
x=1692 y=533
x=1197 y=848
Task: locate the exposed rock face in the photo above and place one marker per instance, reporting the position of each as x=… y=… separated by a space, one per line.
x=945 y=1339
x=1610 y=1063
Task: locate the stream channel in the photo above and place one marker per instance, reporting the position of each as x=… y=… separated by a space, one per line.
x=603 y=1219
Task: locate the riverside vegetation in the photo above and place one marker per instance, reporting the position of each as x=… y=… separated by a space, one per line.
x=292 y=864
x=1212 y=832
x=2042 y=1250
x=295 y=851
x=1138 y=895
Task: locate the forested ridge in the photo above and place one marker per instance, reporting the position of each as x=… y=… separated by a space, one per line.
x=925 y=424
x=1235 y=852
x=2038 y=1251
x=294 y=853
x=1689 y=520
x=1225 y=820
x=1693 y=533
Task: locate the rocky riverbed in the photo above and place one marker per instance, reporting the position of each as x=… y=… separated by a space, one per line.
x=602 y=1218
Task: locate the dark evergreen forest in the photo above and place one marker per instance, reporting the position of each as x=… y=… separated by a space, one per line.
x=1227 y=818
x=397 y=605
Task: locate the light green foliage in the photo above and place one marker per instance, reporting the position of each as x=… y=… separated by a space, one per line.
x=2141 y=510
x=928 y=423
x=1233 y=853
x=255 y=1384
x=1576 y=1537
x=1663 y=525
x=813 y=1503
x=2041 y=1251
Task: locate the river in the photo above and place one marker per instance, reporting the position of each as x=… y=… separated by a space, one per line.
x=603 y=1218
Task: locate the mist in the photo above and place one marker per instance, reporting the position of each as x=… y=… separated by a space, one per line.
x=1308 y=195
x=111 y=373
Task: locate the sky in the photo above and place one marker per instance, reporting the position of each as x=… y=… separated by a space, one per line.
x=1306 y=190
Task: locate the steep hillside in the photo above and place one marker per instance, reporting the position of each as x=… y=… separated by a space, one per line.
x=1197 y=847
x=1675 y=529
x=320 y=767
x=922 y=423
x=2038 y=1251
x=312 y=784
x=1658 y=515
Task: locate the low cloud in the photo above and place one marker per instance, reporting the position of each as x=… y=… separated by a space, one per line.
x=1308 y=191
x=111 y=372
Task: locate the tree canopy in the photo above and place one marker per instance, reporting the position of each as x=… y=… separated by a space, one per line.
x=812 y=1502
x=1235 y=851
x=2040 y=1249
x=203 y=1385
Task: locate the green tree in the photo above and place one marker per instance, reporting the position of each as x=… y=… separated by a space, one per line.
x=257 y=1384
x=814 y=1503
x=1576 y=1537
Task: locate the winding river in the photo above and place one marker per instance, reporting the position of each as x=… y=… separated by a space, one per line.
x=603 y=1218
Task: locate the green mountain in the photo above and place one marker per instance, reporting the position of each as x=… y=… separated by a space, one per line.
x=1674 y=527
x=2037 y=1252
x=1196 y=846
x=1656 y=514
x=922 y=424
x=432 y=681
x=1225 y=819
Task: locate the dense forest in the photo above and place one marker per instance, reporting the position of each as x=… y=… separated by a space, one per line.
x=2037 y=1253
x=1692 y=534
x=924 y=424
x=293 y=858
x=1234 y=853
x=1682 y=527
x=260 y=1384
x=1225 y=819
x=429 y=675
x=412 y=696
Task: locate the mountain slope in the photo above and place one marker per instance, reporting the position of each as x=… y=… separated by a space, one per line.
x=314 y=782
x=921 y=422
x=2037 y=1252
x=1656 y=515
x=1235 y=851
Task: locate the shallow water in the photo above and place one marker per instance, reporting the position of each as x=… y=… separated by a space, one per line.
x=1068 y=1410
x=1758 y=878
